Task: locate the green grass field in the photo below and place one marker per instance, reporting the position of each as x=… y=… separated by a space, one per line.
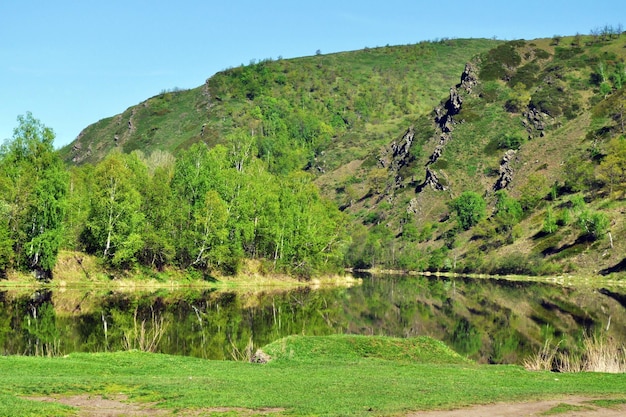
x=322 y=376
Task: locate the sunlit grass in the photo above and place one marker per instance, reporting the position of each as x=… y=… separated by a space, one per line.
x=348 y=377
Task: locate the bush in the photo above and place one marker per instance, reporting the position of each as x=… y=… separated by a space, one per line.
x=410 y=232
x=520 y=264
x=510 y=141
x=594 y=224
x=526 y=75
x=490 y=92
x=439 y=261
x=498 y=62
x=508 y=210
x=470 y=208
x=535 y=190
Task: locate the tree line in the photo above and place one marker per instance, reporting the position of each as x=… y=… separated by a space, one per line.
x=208 y=209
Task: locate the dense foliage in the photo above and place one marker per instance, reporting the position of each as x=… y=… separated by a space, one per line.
x=209 y=209
x=33 y=188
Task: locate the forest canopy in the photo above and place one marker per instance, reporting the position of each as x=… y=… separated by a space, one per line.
x=208 y=209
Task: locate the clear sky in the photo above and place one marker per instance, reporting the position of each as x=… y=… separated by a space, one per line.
x=72 y=63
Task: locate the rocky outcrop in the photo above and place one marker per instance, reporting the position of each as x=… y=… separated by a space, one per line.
x=444 y=114
x=400 y=150
x=398 y=154
x=445 y=122
x=535 y=122
x=413 y=207
x=469 y=79
x=432 y=180
x=78 y=153
x=438 y=151
x=506 y=170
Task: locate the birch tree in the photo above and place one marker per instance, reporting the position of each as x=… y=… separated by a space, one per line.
x=114 y=224
x=34 y=192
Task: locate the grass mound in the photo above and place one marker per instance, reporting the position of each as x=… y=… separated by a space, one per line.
x=354 y=348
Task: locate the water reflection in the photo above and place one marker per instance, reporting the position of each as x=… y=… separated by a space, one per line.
x=495 y=321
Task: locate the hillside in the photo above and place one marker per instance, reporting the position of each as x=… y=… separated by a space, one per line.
x=465 y=155
x=531 y=130
x=349 y=102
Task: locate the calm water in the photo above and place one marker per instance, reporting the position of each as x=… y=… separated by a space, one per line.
x=494 y=321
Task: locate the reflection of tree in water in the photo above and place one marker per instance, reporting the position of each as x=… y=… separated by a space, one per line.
x=41 y=335
x=492 y=321
x=466 y=338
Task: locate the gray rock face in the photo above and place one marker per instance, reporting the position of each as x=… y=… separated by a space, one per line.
x=506 y=171
x=444 y=118
x=433 y=181
x=469 y=79
x=401 y=150
x=413 y=207
x=455 y=102
x=535 y=122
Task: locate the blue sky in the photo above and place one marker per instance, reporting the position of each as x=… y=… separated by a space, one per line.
x=72 y=63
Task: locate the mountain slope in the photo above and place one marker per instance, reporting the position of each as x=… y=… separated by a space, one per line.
x=465 y=155
x=349 y=102
x=535 y=131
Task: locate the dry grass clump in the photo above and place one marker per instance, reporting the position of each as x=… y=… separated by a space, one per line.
x=599 y=354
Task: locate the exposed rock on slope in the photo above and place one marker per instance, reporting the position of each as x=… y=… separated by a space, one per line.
x=445 y=121
x=506 y=171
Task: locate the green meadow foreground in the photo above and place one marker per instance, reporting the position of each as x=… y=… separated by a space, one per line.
x=330 y=376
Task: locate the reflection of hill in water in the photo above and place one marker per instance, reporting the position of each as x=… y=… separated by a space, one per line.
x=489 y=320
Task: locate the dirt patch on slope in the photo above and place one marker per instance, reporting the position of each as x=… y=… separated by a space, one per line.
x=119 y=406
x=98 y=406
x=566 y=407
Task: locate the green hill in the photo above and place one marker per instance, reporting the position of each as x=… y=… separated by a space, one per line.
x=535 y=133
x=347 y=102
x=465 y=155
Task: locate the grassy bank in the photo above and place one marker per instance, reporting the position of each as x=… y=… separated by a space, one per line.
x=330 y=376
x=78 y=270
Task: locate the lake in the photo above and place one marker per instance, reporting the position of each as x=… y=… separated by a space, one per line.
x=489 y=320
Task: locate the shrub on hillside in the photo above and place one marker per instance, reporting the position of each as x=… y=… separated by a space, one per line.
x=470 y=208
x=499 y=62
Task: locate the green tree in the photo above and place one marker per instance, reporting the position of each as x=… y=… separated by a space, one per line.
x=114 y=224
x=612 y=169
x=519 y=98
x=470 y=208
x=211 y=231
x=310 y=231
x=579 y=175
x=78 y=205
x=158 y=209
x=535 y=189
x=197 y=172
x=35 y=190
x=508 y=210
x=6 y=243
x=550 y=224
x=593 y=224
